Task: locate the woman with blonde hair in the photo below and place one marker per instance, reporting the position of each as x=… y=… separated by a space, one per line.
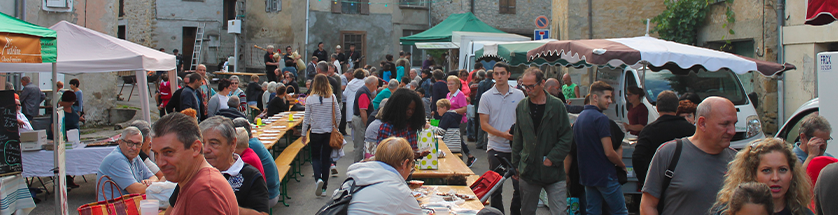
x=385 y=191
x=321 y=116
x=769 y=161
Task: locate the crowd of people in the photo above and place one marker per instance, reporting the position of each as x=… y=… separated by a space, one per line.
x=203 y=141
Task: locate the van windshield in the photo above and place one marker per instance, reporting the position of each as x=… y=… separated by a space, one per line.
x=722 y=83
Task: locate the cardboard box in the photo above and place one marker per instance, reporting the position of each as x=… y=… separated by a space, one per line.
x=39 y=136
x=30 y=146
x=426 y=139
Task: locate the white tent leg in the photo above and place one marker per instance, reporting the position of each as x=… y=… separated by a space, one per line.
x=60 y=188
x=142 y=80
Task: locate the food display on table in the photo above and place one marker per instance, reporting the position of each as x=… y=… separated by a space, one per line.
x=438 y=200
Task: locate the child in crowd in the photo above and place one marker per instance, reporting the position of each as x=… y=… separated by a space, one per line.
x=426 y=101
x=450 y=122
x=749 y=198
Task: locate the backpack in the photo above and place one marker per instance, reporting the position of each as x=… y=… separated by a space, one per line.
x=339 y=204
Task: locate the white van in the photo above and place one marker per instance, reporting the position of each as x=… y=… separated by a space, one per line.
x=722 y=83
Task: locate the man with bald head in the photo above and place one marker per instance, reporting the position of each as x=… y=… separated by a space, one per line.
x=553 y=87
x=703 y=156
x=570 y=90
x=206 y=90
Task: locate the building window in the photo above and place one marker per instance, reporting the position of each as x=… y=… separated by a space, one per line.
x=413 y=3
x=351 y=7
x=273 y=6
x=507 y=6
x=121 y=8
x=120 y=32
x=229 y=12
x=357 y=38
x=417 y=55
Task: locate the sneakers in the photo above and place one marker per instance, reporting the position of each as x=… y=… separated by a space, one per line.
x=323 y=193
x=334 y=171
x=318 y=188
x=471 y=161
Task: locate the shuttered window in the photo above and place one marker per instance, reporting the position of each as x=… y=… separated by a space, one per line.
x=351 y=7
x=506 y=6
x=273 y=6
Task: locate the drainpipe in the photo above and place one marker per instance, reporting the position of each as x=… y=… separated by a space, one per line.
x=781 y=88
x=472 y=6
x=308 y=9
x=591 y=74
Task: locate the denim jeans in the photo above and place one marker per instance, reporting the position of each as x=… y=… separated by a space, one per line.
x=470 y=131
x=609 y=197
x=321 y=154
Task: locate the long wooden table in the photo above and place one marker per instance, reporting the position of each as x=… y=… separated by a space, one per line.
x=469 y=204
x=450 y=165
x=272 y=140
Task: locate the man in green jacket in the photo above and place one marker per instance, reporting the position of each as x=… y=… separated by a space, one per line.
x=541 y=140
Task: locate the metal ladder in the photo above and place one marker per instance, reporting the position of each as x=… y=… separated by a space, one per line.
x=199 y=44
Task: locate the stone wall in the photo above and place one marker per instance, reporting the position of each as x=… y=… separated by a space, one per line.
x=280 y=29
x=172 y=16
x=326 y=28
x=139 y=22
x=101 y=15
x=611 y=19
x=754 y=22
x=522 y=22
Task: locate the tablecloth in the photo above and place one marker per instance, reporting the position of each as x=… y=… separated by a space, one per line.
x=15 y=196
x=79 y=161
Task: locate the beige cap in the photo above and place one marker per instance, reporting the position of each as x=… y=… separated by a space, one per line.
x=337 y=47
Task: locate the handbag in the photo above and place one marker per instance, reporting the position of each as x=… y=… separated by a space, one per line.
x=122 y=205
x=336 y=140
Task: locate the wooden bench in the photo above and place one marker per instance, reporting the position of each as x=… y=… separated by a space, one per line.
x=283 y=171
x=289 y=156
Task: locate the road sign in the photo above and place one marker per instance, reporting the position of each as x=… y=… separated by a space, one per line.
x=541 y=34
x=541 y=22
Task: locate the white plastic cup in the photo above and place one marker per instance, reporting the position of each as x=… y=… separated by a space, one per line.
x=149 y=207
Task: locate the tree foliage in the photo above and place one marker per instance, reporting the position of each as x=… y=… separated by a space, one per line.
x=682 y=19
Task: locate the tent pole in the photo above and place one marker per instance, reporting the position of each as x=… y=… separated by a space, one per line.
x=142 y=79
x=60 y=195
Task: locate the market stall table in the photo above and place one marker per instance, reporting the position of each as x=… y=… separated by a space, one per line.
x=15 y=195
x=271 y=133
x=464 y=190
x=450 y=165
x=81 y=161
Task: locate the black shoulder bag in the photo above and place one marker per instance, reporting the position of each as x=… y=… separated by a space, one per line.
x=339 y=204
x=669 y=174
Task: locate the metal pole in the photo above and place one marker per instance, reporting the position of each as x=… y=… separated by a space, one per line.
x=781 y=85
x=56 y=143
x=305 y=54
x=142 y=80
x=236 y=53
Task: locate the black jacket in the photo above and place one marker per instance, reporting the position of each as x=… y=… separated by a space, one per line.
x=231 y=113
x=253 y=92
x=174 y=103
x=665 y=128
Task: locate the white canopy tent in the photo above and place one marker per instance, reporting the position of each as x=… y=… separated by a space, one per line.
x=82 y=50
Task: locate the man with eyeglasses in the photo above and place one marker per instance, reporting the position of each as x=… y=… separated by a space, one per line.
x=124 y=167
x=814 y=136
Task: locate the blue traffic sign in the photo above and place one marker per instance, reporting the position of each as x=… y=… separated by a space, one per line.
x=541 y=34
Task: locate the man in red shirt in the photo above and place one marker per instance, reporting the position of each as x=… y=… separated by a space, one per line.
x=201 y=188
x=361 y=112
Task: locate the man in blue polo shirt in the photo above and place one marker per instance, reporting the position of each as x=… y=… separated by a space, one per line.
x=596 y=154
x=124 y=167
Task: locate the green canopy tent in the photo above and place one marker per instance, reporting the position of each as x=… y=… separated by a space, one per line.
x=442 y=31
x=25 y=42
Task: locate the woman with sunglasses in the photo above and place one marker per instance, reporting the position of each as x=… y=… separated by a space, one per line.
x=769 y=161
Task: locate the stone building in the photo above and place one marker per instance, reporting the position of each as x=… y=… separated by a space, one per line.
x=173 y=24
x=755 y=36
x=599 y=19
x=801 y=44
x=510 y=16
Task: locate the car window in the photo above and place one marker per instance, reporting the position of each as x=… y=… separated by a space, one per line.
x=722 y=83
x=793 y=133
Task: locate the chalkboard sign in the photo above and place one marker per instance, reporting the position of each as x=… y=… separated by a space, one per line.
x=9 y=138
